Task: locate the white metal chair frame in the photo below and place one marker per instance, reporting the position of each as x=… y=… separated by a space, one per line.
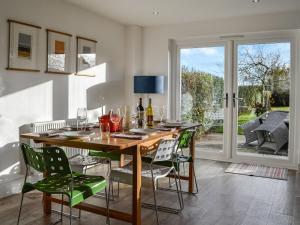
x=154 y=172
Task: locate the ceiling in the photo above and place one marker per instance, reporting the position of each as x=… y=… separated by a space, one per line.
x=140 y=12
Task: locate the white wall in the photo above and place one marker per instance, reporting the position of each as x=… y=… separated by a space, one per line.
x=156 y=41
x=134 y=60
x=27 y=97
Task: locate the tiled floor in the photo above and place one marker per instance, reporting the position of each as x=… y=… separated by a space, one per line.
x=224 y=199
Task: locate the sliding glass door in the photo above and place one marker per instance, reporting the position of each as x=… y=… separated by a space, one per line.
x=243 y=95
x=203 y=96
x=262 y=99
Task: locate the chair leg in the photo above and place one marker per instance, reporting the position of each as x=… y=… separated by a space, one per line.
x=118 y=193
x=79 y=211
x=180 y=188
x=155 y=202
x=107 y=197
x=178 y=193
x=61 y=209
x=111 y=186
x=22 y=198
x=194 y=173
x=70 y=212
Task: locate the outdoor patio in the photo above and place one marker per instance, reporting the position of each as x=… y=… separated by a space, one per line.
x=214 y=142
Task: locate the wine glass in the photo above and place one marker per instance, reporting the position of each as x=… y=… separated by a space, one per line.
x=161 y=112
x=81 y=121
x=132 y=117
x=102 y=104
x=115 y=118
x=123 y=112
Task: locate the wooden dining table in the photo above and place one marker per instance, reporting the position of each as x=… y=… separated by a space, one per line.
x=123 y=146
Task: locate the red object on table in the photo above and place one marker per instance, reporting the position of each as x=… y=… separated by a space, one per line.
x=114 y=127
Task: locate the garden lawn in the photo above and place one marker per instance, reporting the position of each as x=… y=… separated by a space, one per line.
x=246 y=117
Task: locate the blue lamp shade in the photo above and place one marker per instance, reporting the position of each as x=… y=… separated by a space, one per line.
x=149 y=84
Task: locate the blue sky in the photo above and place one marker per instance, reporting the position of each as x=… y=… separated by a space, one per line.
x=211 y=59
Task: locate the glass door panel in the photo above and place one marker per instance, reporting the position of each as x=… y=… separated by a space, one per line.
x=202 y=94
x=263 y=99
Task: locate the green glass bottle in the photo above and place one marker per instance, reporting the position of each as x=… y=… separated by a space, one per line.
x=149 y=114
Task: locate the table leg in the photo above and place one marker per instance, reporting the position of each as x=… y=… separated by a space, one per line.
x=46 y=201
x=191 y=174
x=136 y=189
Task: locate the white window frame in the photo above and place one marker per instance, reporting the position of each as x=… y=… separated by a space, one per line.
x=292 y=36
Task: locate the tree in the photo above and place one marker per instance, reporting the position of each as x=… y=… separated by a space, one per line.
x=201 y=93
x=259 y=67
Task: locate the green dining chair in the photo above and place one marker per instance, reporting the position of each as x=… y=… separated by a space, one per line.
x=61 y=180
x=184 y=142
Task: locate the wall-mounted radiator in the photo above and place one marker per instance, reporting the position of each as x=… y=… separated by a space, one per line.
x=56 y=124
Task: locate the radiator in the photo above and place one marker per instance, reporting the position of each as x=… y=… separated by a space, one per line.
x=56 y=124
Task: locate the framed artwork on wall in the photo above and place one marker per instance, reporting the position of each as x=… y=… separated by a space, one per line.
x=86 y=56
x=23 y=43
x=58 y=52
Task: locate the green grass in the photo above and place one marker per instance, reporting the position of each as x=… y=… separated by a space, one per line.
x=244 y=118
x=283 y=108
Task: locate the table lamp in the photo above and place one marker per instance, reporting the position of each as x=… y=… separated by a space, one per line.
x=149 y=84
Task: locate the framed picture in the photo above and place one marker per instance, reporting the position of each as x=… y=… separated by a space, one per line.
x=58 y=52
x=86 y=56
x=23 y=45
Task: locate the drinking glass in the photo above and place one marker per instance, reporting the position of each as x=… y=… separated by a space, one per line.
x=115 y=118
x=81 y=119
x=123 y=112
x=102 y=104
x=161 y=112
x=104 y=130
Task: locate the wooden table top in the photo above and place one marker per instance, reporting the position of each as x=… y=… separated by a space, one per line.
x=94 y=141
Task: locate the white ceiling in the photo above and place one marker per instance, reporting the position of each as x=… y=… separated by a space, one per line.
x=139 y=12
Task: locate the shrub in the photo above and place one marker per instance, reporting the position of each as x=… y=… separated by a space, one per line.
x=280 y=98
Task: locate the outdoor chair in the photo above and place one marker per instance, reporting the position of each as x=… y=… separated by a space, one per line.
x=61 y=180
x=273 y=133
x=151 y=172
x=248 y=128
x=270 y=131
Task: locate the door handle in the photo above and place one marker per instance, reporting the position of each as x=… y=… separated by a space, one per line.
x=234 y=99
x=226 y=100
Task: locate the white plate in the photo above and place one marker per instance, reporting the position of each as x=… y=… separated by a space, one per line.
x=142 y=131
x=77 y=134
x=173 y=124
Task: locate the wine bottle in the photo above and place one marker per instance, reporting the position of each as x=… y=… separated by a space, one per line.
x=140 y=114
x=149 y=114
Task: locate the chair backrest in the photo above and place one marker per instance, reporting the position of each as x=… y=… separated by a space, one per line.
x=165 y=150
x=56 y=161
x=33 y=158
x=276 y=116
x=185 y=138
